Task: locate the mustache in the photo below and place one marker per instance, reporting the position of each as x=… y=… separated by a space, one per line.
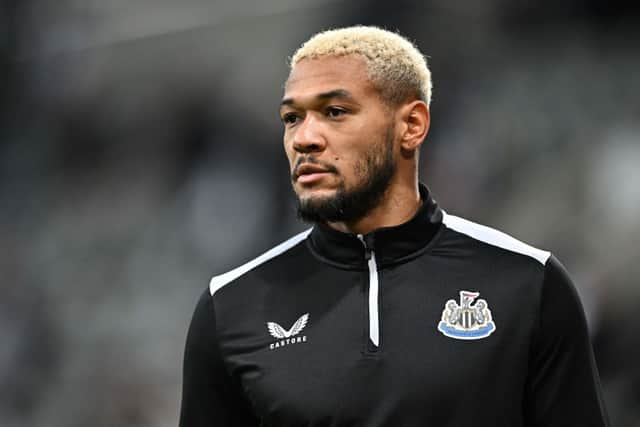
x=312 y=161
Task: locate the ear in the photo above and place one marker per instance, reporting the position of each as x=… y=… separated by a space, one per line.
x=415 y=119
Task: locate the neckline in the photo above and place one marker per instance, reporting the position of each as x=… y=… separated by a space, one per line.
x=391 y=244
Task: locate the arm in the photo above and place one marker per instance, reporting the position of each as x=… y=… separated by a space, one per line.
x=563 y=388
x=210 y=397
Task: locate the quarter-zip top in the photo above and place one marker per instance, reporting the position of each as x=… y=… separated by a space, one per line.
x=336 y=329
x=373 y=291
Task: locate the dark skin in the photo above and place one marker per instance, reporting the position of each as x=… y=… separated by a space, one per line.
x=332 y=112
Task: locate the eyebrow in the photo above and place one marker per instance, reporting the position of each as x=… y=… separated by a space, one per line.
x=337 y=93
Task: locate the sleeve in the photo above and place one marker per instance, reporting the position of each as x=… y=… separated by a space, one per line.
x=210 y=397
x=563 y=387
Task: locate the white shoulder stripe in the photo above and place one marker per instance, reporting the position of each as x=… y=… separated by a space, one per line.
x=218 y=282
x=493 y=237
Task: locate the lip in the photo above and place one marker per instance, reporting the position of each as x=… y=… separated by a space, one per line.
x=309 y=169
x=308 y=173
x=308 y=178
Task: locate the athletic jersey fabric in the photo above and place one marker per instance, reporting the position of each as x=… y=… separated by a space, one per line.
x=435 y=322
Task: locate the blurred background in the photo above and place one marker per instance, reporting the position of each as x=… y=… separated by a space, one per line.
x=140 y=153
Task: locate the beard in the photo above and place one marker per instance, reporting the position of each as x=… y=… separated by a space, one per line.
x=374 y=173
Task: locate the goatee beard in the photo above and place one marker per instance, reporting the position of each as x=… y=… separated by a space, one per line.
x=376 y=171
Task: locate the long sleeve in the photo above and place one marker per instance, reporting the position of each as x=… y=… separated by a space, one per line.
x=563 y=387
x=209 y=395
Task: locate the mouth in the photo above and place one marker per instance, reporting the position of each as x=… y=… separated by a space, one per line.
x=309 y=178
x=307 y=173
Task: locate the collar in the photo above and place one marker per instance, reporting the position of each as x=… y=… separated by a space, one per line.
x=391 y=244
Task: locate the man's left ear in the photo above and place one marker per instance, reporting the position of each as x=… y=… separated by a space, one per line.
x=415 y=118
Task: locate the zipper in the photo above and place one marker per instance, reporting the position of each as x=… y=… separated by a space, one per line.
x=373 y=297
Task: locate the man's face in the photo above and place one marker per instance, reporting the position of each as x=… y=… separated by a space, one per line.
x=339 y=139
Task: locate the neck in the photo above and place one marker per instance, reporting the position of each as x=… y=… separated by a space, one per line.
x=398 y=206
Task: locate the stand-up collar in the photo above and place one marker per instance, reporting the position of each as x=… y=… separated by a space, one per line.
x=391 y=244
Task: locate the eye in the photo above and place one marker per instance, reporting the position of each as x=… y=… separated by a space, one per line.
x=289 y=118
x=335 y=112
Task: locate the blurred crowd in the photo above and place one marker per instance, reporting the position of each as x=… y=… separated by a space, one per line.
x=140 y=153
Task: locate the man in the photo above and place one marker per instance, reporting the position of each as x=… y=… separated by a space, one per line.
x=389 y=311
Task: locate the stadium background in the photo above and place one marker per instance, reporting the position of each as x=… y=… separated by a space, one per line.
x=140 y=153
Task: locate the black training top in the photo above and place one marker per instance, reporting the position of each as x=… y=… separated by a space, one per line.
x=435 y=322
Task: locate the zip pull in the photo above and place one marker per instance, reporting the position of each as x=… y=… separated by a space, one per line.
x=374 y=316
x=367 y=242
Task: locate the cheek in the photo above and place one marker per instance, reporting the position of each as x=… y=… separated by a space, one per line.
x=357 y=159
x=289 y=152
x=360 y=168
x=350 y=170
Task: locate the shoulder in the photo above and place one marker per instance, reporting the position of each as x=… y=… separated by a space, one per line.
x=493 y=238
x=220 y=281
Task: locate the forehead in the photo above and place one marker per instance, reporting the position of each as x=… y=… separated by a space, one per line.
x=320 y=75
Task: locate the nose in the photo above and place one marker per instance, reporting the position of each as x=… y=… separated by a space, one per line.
x=308 y=137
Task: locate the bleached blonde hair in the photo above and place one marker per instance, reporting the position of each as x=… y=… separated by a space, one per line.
x=396 y=68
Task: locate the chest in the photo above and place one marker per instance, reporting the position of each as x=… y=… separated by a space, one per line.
x=306 y=353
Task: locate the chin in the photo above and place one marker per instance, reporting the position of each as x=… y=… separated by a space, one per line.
x=316 y=196
x=314 y=192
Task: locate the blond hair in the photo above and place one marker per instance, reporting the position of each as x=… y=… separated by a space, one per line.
x=394 y=65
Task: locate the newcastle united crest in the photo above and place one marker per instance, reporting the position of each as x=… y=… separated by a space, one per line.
x=469 y=320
